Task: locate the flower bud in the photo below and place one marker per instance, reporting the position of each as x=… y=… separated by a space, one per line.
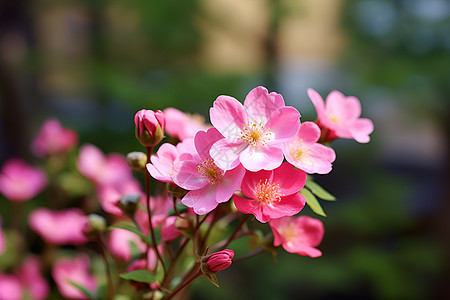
x=128 y=204
x=95 y=226
x=149 y=127
x=137 y=160
x=219 y=261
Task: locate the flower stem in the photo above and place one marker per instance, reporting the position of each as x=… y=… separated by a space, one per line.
x=184 y=284
x=149 y=151
x=258 y=251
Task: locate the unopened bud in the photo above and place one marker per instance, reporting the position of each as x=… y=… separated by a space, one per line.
x=128 y=204
x=219 y=261
x=95 y=226
x=149 y=127
x=137 y=160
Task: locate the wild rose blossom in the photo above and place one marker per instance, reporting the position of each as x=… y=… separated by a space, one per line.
x=182 y=125
x=119 y=243
x=53 y=139
x=10 y=288
x=272 y=194
x=21 y=182
x=298 y=234
x=31 y=279
x=162 y=166
x=341 y=116
x=66 y=270
x=305 y=153
x=254 y=131
x=208 y=184
x=63 y=227
x=102 y=169
x=149 y=127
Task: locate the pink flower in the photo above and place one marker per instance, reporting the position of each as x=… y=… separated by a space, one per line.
x=168 y=230
x=182 y=125
x=163 y=163
x=341 y=116
x=53 y=139
x=208 y=184
x=109 y=195
x=64 y=227
x=31 y=279
x=160 y=206
x=76 y=270
x=119 y=243
x=254 y=131
x=10 y=288
x=220 y=260
x=101 y=169
x=305 y=153
x=21 y=182
x=149 y=127
x=272 y=194
x=298 y=235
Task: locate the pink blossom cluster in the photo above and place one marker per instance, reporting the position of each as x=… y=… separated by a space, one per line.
x=251 y=165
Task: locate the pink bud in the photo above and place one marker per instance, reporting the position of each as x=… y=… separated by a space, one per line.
x=220 y=260
x=149 y=127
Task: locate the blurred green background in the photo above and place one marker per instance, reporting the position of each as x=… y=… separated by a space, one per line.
x=94 y=63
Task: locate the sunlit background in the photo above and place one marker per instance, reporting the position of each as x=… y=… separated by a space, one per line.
x=94 y=63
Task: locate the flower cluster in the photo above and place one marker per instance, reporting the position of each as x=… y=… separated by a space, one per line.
x=252 y=165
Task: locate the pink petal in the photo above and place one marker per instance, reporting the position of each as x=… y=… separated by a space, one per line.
x=309 y=133
x=312 y=228
x=317 y=102
x=249 y=206
x=225 y=153
x=361 y=129
x=303 y=249
x=204 y=140
x=187 y=176
x=227 y=115
x=290 y=179
x=252 y=179
x=287 y=206
x=258 y=158
x=260 y=105
x=345 y=108
x=202 y=200
x=230 y=183
x=284 y=123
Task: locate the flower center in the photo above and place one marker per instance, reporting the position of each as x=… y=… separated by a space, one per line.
x=255 y=134
x=268 y=192
x=300 y=152
x=210 y=171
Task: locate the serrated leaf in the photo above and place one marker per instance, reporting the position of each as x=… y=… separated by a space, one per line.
x=140 y=276
x=319 y=191
x=82 y=289
x=144 y=238
x=312 y=202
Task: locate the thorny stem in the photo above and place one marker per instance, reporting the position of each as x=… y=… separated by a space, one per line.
x=149 y=151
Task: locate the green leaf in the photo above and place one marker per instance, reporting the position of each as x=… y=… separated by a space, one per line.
x=312 y=202
x=180 y=208
x=82 y=289
x=140 y=276
x=144 y=238
x=319 y=191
